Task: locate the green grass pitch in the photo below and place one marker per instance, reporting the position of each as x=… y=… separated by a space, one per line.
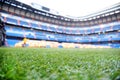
x=59 y=64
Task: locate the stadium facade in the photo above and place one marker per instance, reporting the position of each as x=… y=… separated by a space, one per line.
x=40 y=23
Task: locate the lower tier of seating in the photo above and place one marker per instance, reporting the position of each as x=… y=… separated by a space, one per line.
x=43 y=35
x=51 y=44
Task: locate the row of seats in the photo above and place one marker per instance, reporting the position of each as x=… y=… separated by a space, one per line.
x=112 y=45
x=50 y=44
x=55 y=28
x=11 y=42
x=22 y=32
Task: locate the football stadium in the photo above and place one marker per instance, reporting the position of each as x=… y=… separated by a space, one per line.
x=37 y=43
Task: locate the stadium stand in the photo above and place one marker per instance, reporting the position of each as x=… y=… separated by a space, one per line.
x=22 y=20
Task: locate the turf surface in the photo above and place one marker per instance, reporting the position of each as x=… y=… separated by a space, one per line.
x=59 y=64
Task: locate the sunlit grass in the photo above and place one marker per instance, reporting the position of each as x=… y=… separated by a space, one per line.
x=59 y=64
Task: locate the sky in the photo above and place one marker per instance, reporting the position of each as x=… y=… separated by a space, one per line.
x=75 y=8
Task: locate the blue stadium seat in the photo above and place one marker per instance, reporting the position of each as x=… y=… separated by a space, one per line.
x=33 y=25
x=24 y=23
x=52 y=29
x=11 y=20
x=7 y=27
x=96 y=30
x=14 y=31
x=82 y=32
x=60 y=30
x=44 y=27
x=89 y=31
x=12 y=42
x=29 y=33
x=67 y=31
x=116 y=27
x=106 y=29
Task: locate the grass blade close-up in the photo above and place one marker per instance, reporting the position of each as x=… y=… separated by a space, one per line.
x=59 y=64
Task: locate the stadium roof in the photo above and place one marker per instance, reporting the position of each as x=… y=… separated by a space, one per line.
x=35 y=7
x=75 y=8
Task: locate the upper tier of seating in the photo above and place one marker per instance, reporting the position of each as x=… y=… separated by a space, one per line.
x=15 y=20
x=17 y=8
